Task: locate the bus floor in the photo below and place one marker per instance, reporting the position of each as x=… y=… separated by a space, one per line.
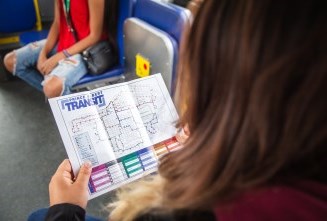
x=30 y=151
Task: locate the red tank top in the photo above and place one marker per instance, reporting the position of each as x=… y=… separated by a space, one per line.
x=79 y=12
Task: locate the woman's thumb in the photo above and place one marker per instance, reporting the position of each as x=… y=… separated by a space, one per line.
x=84 y=173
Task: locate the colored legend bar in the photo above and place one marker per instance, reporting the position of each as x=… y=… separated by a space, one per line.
x=136 y=163
x=166 y=146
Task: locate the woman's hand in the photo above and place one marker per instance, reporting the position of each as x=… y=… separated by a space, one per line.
x=47 y=66
x=63 y=188
x=183 y=134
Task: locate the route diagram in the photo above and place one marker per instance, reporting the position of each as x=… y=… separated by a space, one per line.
x=121 y=126
x=146 y=102
x=122 y=129
x=88 y=122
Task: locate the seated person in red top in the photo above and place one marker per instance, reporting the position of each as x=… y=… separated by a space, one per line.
x=256 y=110
x=54 y=65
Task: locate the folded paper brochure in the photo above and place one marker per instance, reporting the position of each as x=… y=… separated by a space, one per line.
x=122 y=129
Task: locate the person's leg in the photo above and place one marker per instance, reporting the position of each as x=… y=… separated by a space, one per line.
x=53 y=87
x=39 y=215
x=64 y=76
x=9 y=61
x=22 y=63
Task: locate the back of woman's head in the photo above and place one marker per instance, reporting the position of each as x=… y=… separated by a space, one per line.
x=254 y=83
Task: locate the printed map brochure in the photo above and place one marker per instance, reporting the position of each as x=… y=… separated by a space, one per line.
x=122 y=129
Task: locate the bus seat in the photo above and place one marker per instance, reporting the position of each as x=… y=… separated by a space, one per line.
x=167 y=18
x=17 y=19
x=32 y=36
x=148 y=50
x=17 y=16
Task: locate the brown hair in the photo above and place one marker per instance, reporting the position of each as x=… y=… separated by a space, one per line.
x=254 y=81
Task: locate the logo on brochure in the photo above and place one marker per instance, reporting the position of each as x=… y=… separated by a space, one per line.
x=82 y=101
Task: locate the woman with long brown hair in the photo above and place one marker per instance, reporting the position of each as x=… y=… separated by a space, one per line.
x=253 y=79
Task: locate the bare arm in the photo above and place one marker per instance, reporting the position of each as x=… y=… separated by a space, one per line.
x=50 y=43
x=53 y=33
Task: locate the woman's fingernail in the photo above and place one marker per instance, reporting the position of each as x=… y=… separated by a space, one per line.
x=88 y=164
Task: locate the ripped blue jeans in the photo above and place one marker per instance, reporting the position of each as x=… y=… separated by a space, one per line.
x=70 y=70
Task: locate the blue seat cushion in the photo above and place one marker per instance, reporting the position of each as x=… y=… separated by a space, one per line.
x=32 y=36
